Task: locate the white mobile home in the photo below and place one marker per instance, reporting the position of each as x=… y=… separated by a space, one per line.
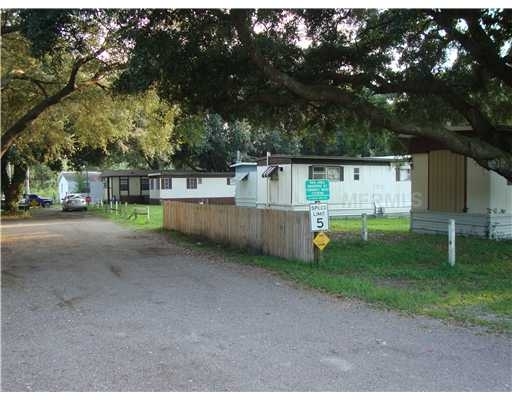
x=68 y=182
x=447 y=186
x=192 y=186
x=357 y=185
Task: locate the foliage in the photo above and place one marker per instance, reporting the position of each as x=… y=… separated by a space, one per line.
x=82 y=184
x=68 y=51
x=43 y=181
x=409 y=72
x=151 y=137
x=57 y=68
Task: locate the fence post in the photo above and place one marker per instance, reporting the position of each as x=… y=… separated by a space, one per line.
x=451 y=242
x=117 y=205
x=364 y=228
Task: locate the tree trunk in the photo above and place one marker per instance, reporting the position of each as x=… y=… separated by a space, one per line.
x=14 y=188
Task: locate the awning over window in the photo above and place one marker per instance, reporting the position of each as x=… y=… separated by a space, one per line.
x=238 y=178
x=271 y=170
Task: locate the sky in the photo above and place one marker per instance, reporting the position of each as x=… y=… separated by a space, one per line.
x=256 y=3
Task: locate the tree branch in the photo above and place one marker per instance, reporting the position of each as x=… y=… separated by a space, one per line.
x=433 y=86
x=477 y=43
x=15 y=130
x=484 y=153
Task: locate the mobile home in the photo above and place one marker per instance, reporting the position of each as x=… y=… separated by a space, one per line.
x=371 y=185
x=130 y=186
x=192 y=186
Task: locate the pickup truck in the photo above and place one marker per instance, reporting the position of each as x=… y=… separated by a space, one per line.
x=34 y=200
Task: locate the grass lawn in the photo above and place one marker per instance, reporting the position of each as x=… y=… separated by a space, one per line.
x=121 y=217
x=395 y=269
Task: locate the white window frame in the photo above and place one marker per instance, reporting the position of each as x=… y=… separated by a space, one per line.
x=325 y=172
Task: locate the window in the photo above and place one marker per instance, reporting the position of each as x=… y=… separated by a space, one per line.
x=199 y=181
x=356 y=174
x=228 y=181
x=166 y=183
x=124 y=183
x=403 y=174
x=154 y=183
x=331 y=173
x=144 y=184
x=191 y=183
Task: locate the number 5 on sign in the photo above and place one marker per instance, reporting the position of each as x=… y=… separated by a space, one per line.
x=319 y=217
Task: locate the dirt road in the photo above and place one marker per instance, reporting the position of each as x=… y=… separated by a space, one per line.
x=89 y=305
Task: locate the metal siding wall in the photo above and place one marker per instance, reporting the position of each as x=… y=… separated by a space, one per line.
x=446 y=179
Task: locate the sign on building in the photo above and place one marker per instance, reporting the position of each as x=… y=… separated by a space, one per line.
x=319 y=217
x=317 y=190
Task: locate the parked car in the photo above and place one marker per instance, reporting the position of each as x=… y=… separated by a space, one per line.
x=35 y=200
x=74 y=202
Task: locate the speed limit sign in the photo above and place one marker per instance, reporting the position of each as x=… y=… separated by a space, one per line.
x=319 y=217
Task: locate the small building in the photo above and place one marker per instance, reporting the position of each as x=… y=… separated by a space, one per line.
x=371 y=185
x=130 y=186
x=447 y=186
x=192 y=186
x=90 y=182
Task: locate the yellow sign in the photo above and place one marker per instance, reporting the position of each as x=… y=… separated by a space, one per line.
x=321 y=240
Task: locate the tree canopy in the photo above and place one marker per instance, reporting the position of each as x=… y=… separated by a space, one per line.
x=414 y=73
x=50 y=55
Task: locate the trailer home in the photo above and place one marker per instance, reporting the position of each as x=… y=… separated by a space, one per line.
x=130 y=186
x=192 y=186
x=371 y=185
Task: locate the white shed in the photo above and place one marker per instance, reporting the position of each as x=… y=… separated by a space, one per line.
x=372 y=185
x=192 y=186
x=68 y=183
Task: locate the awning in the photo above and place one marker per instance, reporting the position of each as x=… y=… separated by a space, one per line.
x=238 y=178
x=271 y=170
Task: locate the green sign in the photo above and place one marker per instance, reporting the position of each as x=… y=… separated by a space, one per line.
x=317 y=190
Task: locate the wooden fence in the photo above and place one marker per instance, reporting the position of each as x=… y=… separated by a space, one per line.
x=283 y=234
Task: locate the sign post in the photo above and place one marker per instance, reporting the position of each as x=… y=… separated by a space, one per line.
x=318 y=190
x=319 y=219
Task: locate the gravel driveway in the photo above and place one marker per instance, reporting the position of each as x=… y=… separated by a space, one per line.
x=89 y=305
